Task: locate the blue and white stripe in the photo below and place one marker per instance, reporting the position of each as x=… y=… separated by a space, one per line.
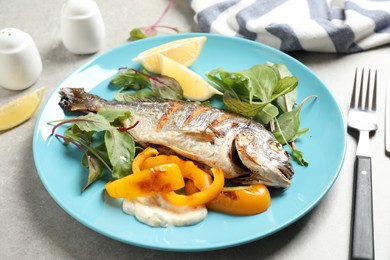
x=340 y=26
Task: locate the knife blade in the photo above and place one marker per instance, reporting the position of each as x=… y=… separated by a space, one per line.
x=387 y=119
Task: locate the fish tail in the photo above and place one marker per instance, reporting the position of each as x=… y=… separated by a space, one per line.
x=76 y=99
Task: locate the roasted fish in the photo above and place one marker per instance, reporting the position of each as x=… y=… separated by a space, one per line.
x=246 y=151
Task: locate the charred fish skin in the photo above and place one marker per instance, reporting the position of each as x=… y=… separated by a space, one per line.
x=246 y=151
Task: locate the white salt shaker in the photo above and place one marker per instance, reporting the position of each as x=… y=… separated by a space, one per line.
x=82 y=26
x=20 y=62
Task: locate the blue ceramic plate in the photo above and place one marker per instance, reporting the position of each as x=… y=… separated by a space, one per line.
x=324 y=147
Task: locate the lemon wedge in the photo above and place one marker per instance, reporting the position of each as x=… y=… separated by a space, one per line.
x=184 y=51
x=20 y=110
x=194 y=86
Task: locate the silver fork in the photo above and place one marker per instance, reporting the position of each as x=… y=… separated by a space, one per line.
x=362 y=117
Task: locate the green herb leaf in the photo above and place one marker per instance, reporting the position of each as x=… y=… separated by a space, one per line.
x=267 y=114
x=120 y=148
x=135 y=96
x=231 y=82
x=241 y=107
x=129 y=79
x=166 y=87
x=298 y=156
x=261 y=82
x=141 y=33
x=284 y=86
x=95 y=169
x=93 y=122
x=288 y=124
x=162 y=86
x=111 y=115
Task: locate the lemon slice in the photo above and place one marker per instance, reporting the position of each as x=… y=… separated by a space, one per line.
x=194 y=86
x=184 y=51
x=20 y=110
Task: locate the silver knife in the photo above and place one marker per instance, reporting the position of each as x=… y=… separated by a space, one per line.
x=387 y=119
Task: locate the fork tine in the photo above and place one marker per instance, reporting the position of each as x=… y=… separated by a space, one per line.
x=353 y=97
x=374 y=94
x=367 y=102
x=360 y=99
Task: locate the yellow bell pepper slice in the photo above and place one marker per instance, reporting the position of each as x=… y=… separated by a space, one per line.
x=138 y=160
x=240 y=200
x=201 y=197
x=159 y=179
x=189 y=170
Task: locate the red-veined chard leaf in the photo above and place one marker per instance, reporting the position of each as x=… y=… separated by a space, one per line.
x=95 y=169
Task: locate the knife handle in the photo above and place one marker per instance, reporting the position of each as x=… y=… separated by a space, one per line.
x=362 y=222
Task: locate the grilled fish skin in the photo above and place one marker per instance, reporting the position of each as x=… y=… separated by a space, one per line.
x=242 y=148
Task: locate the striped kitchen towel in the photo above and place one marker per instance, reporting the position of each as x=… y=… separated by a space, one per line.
x=340 y=26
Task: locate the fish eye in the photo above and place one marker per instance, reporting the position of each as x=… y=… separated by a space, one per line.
x=275 y=146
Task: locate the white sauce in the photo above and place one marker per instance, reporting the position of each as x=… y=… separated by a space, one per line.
x=155 y=211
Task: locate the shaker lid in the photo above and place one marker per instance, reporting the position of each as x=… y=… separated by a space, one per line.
x=78 y=9
x=13 y=40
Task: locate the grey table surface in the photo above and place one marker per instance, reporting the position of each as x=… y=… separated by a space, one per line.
x=35 y=227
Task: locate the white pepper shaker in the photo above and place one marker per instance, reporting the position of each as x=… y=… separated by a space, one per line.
x=20 y=61
x=82 y=26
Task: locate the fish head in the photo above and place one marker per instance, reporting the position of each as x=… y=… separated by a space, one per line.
x=265 y=158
